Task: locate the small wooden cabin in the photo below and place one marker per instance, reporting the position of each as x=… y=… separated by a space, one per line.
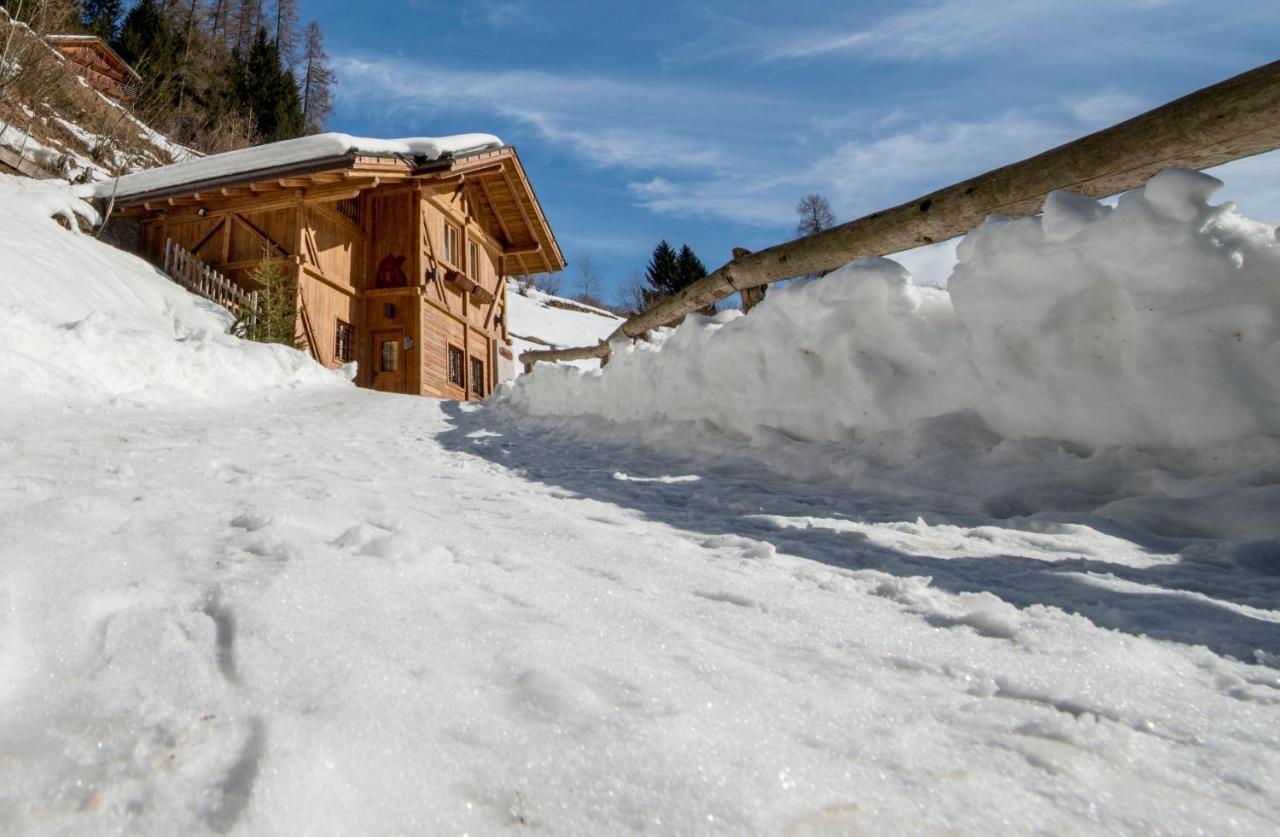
x=98 y=64
x=401 y=258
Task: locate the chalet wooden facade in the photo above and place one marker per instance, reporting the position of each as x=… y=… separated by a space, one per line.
x=98 y=64
x=400 y=261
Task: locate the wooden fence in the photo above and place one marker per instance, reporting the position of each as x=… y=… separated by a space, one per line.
x=1235 y=118
x=196 y=276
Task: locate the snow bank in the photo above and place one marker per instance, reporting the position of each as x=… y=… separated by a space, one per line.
x=288 y=152
x=1153 y=324
x=85 y=322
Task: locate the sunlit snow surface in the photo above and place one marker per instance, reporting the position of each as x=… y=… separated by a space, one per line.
x=278 y=604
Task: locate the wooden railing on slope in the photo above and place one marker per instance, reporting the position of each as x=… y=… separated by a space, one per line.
x=191 y=273
x=1235 y=118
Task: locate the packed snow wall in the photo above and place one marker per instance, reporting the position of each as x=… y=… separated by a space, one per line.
x=1153 y=323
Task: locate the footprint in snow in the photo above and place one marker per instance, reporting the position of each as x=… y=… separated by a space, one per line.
x=745 y=547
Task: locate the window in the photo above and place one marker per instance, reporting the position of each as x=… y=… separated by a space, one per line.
x=455 y=366
x=390 y=359
x=342 y=349
x=473 y=261
x=452 y=245
x=477 y=377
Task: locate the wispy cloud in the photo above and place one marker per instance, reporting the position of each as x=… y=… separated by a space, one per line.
x=1105 y=108
x=940 y=29
x=494 y=13
x=702 y=152
x=605 y=122
x=917 y=30
x=857 y=176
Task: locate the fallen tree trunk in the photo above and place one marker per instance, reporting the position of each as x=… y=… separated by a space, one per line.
x=1235 y=118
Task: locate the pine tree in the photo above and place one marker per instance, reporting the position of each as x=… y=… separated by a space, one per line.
x=267 y=91
x=286 y=115
x=277 y=306
x=663 y=273
x=146 y=41
x=317 y=82
x=689 y=268
x=102 y=17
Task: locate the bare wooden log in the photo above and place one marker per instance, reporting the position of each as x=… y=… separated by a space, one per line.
x=1230 y=120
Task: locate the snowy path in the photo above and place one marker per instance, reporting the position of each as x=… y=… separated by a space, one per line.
x=347 y=613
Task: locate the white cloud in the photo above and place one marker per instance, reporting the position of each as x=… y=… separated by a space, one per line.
x=605 y=122
x=858 y=177
x=936 y=30
x=925 y=30
x=713 y=156
x=494 y=14
x=1102 y=109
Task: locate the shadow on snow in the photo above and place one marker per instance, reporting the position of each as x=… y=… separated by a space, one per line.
x=1189 y=603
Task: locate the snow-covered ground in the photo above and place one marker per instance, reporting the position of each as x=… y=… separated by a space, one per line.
x=279 y=604
x=541 y=321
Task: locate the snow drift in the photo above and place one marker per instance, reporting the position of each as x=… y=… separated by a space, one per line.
x=87 y=323
x=1155 y=323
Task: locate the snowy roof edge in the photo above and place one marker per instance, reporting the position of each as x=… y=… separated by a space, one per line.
x=289 y=156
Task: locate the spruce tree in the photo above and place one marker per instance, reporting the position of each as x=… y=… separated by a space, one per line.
x=663 y=273
x=277 y=313
x=689 y=268
x=286 y=117
x=268 y=91
x=147 y=42
x=101 y=17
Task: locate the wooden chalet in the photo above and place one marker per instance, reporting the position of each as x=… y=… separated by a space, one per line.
x=400 y=258
x=98 y=64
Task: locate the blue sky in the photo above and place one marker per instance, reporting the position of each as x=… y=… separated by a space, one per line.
x=706 y=122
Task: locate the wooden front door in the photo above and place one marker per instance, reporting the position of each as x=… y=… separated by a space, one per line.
x=389 y=358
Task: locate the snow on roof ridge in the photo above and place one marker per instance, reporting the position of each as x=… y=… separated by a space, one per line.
x=292 y=152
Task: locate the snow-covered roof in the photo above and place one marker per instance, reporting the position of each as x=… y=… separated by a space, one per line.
x=294 y=152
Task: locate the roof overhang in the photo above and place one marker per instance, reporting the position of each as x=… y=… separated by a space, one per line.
x=498 y=184
x=495 y=179
x=99 y=45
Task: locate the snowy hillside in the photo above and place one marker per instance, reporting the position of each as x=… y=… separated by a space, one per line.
x=90 y=324
x=239 y=595
x=541 y=321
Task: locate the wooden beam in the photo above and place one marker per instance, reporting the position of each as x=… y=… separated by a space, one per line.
x=320 y=275
x=493 y=210
x=260 y=235
x=336 y=217
x=195 y=251
x=1230 y=120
